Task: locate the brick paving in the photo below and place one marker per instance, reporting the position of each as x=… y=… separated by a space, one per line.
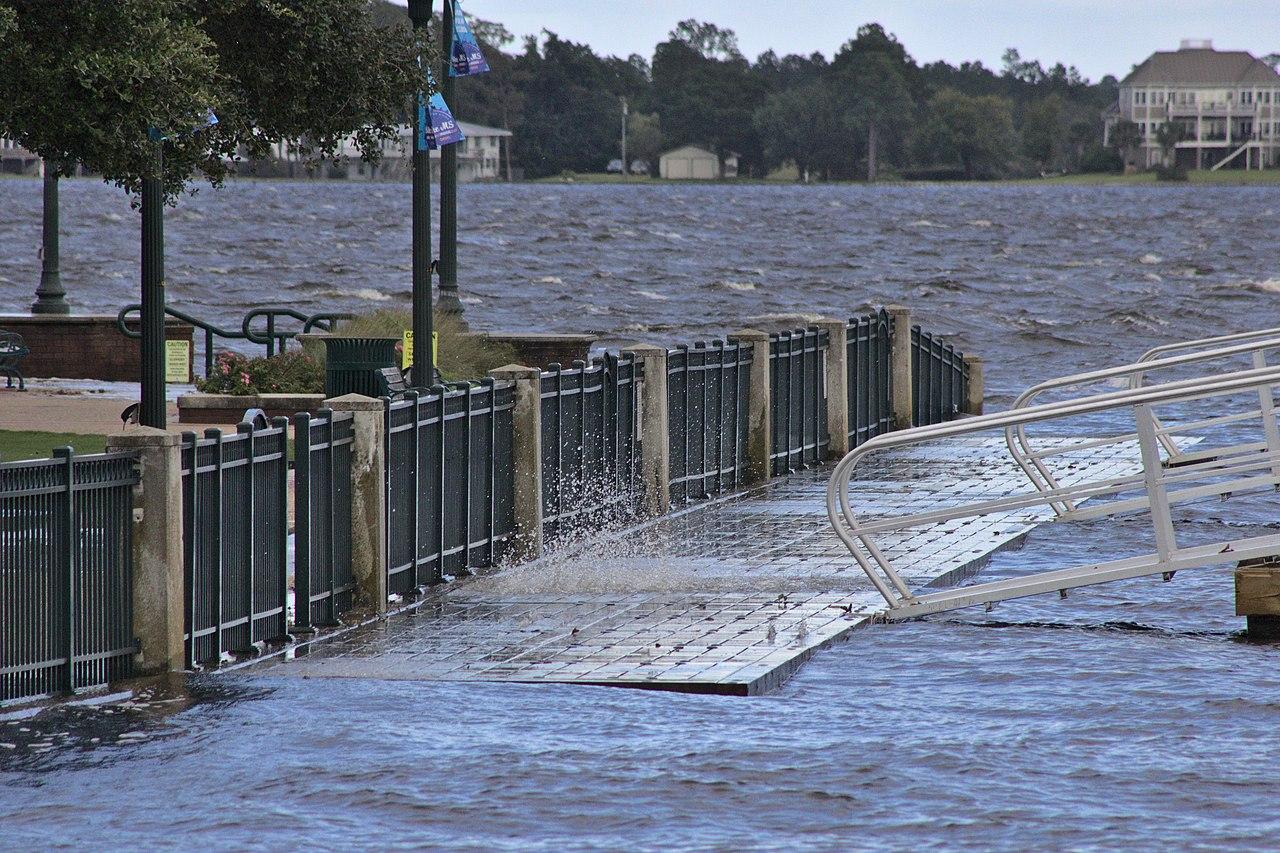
x=730 y=596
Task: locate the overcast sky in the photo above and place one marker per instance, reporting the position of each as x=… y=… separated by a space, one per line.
x=1097 y=36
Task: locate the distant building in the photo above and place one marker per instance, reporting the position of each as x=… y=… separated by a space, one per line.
x=689 y=162
x=1227 y=102
x=480 y=158
x=16 y=160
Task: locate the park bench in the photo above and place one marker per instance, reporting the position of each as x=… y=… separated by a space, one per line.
x=12 y=351
x=393 y=382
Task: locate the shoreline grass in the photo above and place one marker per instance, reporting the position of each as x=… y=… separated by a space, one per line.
x=35 y=444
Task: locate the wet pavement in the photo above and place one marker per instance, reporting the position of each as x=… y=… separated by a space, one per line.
x=731 y=596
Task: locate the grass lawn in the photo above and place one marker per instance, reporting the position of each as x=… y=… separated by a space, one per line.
x=16 y=444
x=1238 y=177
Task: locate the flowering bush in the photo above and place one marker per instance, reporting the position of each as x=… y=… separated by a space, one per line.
x=286 y=373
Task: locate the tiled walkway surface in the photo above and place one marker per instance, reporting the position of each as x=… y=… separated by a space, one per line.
x=728 y=597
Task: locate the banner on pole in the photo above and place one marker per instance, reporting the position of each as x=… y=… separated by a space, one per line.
x=467 y=58
x=436 y=125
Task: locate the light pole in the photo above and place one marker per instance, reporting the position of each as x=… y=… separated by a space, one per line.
x=625 y=174
x=423 y=370
x=449 y=302
x=50 y=297
x=152 y=410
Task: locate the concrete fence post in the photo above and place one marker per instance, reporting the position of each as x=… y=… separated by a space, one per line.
x=526 y=457
x=759 y=406
x=900 y=366
x=974 y=393
x=1258 y=598
x=655 y=427
x=158 y=588
x=368 y=495
x=837 y=382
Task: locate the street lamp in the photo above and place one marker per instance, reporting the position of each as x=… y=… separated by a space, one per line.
x=423 y=370
x=50 y=296
x=449 y=302
x=151 y=412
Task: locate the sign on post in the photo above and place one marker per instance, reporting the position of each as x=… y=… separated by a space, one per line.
x=406 y=349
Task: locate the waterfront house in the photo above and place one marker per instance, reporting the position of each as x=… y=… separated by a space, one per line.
x=1227 y=102
x=689 y=162
x=14 y=159
x=482 y=156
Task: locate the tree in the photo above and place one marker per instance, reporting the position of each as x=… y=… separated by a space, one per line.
x=1125 y=137
x=975 y=131
x=644 y=137
x=92 y=82
x=803 y=125
x=1042 y=130
x=1168 y=135
x=875 y=98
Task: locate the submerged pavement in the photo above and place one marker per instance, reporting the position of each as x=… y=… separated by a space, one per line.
x=728 y=596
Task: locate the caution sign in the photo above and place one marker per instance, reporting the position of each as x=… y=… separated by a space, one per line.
x=177 y=361
x=406 y=349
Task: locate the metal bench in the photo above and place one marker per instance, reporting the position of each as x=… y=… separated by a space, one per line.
x=393 y=382
x=12 y=351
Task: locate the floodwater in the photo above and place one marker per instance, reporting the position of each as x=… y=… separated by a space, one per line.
x=1129 y=715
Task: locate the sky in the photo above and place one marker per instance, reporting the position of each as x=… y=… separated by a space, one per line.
x=1097 y=36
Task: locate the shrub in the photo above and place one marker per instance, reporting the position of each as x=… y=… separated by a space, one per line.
x=287 y=373
x=463 y=356
x=1171 y=173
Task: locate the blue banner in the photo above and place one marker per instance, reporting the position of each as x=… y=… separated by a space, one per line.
x=209 y=121
x=436 y=126
x=467 y=58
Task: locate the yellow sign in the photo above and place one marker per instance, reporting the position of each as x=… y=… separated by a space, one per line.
x=177 y=361
x=406 y=349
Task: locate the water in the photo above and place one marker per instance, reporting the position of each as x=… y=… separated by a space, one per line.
x=1127 y=716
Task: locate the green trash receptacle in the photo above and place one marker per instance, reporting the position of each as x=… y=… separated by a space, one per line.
x=351 y=365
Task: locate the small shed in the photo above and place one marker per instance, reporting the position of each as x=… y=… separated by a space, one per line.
x=689 y=162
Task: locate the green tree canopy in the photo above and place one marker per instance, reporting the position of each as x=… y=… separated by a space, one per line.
x=876 y=98
x=87 y=82
x=975 y=131
x=1042 y=134
x=1125 y=135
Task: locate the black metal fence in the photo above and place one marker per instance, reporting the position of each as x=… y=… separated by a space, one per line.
x=707 y=387
x=797 y=377
x=66 y=573
x=589 y=444
x=235 y=537
x=869 y=377
x=323 y=586
x=939 y=379
x=449 y=482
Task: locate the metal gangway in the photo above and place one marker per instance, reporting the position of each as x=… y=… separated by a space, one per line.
x=1165 y=396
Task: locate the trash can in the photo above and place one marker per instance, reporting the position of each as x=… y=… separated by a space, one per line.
x=351 y=365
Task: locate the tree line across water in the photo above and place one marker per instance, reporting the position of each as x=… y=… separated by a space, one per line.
x=869 y=110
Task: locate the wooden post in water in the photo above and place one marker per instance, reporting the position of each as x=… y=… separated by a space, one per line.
x=1258 y=598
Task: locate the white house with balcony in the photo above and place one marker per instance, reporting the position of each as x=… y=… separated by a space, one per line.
x=1227 y=102
x=482 y=156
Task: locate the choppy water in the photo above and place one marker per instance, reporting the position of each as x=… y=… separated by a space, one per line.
x=1127 y=716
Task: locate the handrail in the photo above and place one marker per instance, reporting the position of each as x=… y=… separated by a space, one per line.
x=1157 y=352
x=1237 y=469
x=323 y=320
x=1028 y=460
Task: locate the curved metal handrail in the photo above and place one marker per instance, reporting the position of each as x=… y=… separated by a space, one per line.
x=1031 y=463
x=1233 y=471
x=1237 y=337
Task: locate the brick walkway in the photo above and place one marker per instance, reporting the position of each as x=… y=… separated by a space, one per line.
x=726 y=597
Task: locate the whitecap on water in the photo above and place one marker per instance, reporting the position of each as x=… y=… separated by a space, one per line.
x=980 y=223
x=370 y=294
x=736 y=285
x=654 y=295
x=471 y=300
x=1269 y=285
x=926 y=223
x=1150 y=259
x=549 y=279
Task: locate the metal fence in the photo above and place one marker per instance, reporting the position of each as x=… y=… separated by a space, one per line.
x=869 y=377
x=589 y=444
x=939 y=378
x=66 y=573
x=707 y=388
x=323 y=586
x=449 y=481
x=235 y=537
x=797 y=377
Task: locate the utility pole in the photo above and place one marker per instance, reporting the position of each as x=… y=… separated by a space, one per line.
x=152 y=411
x=449 y=302
x=625 y=173
x=423 y=369
x=50 y=296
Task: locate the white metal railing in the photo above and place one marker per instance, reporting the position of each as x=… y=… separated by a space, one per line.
x=1158 y=360
x=1233 y=469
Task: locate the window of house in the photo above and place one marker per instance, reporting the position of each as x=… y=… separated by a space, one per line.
x=1246 y=97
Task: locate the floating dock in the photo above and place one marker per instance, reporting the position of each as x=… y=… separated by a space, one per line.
x=730 y=596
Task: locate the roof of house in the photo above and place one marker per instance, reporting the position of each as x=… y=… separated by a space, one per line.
x=469 y=129
x=686 y=150
x=1199 y=66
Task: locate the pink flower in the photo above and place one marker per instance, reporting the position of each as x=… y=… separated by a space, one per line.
x=244 y=377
